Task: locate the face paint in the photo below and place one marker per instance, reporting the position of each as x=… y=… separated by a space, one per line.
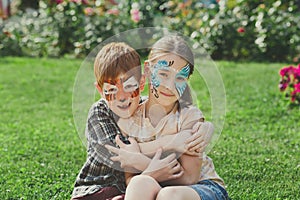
x=160 y=65
x=162 y=72
x=181 y=79
x=111 y=88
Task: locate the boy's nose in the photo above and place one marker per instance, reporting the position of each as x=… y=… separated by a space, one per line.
x=122 y=96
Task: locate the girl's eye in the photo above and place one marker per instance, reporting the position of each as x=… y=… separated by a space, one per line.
x=180 y=78
x=163 y=74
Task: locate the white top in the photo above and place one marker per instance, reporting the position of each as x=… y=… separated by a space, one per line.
x=140 y=127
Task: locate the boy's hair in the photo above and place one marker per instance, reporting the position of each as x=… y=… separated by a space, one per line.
x=114 y=59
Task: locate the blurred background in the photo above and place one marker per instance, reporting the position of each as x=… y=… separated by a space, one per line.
x=250 y=30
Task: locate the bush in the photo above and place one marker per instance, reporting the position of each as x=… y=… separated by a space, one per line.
x=231 y=30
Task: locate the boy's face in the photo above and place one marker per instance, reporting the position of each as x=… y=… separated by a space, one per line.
x=122 y=94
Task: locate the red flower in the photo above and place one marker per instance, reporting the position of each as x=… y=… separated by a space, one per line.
x=286 y=71
x=59 y=1
x=297 y=88
x=241 y=30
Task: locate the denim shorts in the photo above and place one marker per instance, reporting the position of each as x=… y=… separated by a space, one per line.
x=209 y=190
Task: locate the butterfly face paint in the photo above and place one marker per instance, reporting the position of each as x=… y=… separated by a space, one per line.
x=163 y=73
x=181 y=79
x=112 y=87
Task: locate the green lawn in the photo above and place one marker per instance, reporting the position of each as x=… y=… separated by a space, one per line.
x=257 y=154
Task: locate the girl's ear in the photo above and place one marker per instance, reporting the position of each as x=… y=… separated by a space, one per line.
x=142 y=83
x=98 y=88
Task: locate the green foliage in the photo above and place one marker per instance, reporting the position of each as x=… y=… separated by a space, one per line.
x=41 y=154
x=232 y=30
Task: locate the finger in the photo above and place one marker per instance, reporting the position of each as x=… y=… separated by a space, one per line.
x=132 y=140
x=170 y=158
x=157 y=154
x=197 y=141
x=178 y=175
x=196 y=127
x=173 y=163
x=191 y=138
x=112 y=149
x=176 y=169
x=115 y=158
x=197 y=146
x=119 y=141
x=192 y=153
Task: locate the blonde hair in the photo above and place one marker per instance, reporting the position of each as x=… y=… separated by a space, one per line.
x=175 y=45
x=114 y=59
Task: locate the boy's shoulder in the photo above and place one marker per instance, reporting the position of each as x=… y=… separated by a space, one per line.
x=100 y=107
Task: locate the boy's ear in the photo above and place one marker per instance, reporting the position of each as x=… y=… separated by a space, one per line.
x=98 y=88
x=142 y=82
x=147 y=68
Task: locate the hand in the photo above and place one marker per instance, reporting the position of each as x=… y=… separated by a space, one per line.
x=132 y=147
x=164 y=169
x=202 y=134
x=127 y=154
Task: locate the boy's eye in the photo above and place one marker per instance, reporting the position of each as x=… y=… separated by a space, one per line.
x=130 y=88
x=111 y=91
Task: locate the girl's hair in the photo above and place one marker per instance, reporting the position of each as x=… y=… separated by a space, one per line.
x=175 y=45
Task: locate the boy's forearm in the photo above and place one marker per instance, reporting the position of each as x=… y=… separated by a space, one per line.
x=174 y=142
x=140 y=162
x=149 y=148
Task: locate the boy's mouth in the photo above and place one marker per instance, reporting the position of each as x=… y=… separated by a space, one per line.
x=124 y=107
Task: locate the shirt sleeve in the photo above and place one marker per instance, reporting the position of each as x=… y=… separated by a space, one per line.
x=190 y=116
x=101 y=129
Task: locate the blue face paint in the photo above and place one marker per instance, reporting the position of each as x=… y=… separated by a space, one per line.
x=160 y=65
x=181 y=79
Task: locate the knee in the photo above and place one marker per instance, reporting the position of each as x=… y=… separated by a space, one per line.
x=142 y=180
x=168 y=193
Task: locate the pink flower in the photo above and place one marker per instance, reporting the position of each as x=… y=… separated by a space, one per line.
x=88 y=11
x=297 y=88
x=135 y=15
x=86 y=2
x=241 y=30
x=297 y=72
x=282 y=86
x=286 y=71
x=113 y=11
x=75 y=1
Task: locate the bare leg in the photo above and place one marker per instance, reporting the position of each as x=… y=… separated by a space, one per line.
x=142 y=187
x=178 y=193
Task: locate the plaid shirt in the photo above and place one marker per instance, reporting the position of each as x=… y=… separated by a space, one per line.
x=99 y=171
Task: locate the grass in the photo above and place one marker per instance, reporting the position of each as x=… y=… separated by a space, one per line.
x=257 y=154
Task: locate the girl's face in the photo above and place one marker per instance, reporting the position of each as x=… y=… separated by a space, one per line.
x=169 y=74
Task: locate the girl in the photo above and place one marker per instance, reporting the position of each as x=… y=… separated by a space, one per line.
x=168 y=111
